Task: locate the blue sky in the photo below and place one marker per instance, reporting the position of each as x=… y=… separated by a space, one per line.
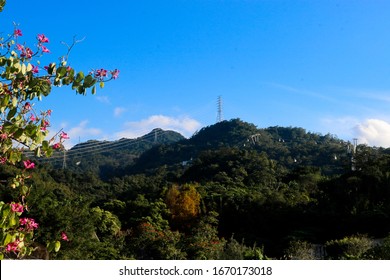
x=320 y=65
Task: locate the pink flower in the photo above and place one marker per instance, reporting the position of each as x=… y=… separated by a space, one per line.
x=42 y=38
x=3 y=160
x=44 y=49
x=44 y=124
x=64 y=135
x=28 y=164
x=19 y=47
x=18 y=32
x=29 y=223
x=27 y=106
x=26 y=52
x=35 y=69
x=115 y=74
x=32 y=118
x=48 y=112
x=57 y=146
x=101 y=73
x=16 y=207
x=12 y=247
x=64 y=236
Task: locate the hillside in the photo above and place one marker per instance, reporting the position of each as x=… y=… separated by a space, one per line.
x=230 y=191
x=288 y=146
x=109 y=158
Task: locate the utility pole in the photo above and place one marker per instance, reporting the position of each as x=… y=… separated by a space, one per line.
x=219 y=105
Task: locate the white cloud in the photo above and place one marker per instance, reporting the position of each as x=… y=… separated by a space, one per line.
x=374 y=132
x=81 y=131
x=184 y=125
x=343 y=127
x=103 y=99
x=118 y=111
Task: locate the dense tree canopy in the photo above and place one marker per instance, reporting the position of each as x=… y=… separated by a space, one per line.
x=284 y=194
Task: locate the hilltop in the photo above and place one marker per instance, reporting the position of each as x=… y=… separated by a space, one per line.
x=287 y=146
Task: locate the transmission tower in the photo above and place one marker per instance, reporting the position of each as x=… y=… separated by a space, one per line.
x=64 y=160
x=353 y=158
x=355 y=143
x=219 y=105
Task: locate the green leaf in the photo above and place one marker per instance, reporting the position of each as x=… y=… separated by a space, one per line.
x=18 y=133
x=24 y=190
x=101 y=84
x=54 y=245
x=14 y=157
x=17 y=67
x=39 y=137
x=11 y=113
x=89 y=81
x=45 y=145
x=61 y=72
x=51 y=69
x=6 y=210
x=29 y=236
x=71 y=72
x=13 y=221
x=66 y=81
x=49 y=152
x=24 y=69
x=38 y=152
x=94 y=90
x=45 y=88
x=75 y=85
x=3 y=61
x=4 y=100
x=81 y=90
x=79 y=77
x=8 y=239
x=57 y=246
x=2 y=4
x=14 y=101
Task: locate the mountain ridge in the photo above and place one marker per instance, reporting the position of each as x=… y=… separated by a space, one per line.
x=288 y=146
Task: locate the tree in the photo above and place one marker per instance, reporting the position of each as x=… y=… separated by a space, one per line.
x=183 y=203
x=349 y=248
x=23 y=80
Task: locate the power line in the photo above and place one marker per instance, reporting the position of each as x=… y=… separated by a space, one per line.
x=98 y=147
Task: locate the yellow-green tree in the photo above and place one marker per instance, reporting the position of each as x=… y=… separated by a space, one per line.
x=183 y=203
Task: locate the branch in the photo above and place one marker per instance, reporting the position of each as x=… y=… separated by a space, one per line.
x=70 y=47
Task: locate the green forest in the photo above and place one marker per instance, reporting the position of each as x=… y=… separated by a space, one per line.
x=231 y=191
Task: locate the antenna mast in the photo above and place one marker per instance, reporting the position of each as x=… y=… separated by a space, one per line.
x=219 y=105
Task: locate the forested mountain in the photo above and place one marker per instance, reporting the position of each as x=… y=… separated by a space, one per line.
x=110 y=158
x=288 y=146
x=231 y=191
